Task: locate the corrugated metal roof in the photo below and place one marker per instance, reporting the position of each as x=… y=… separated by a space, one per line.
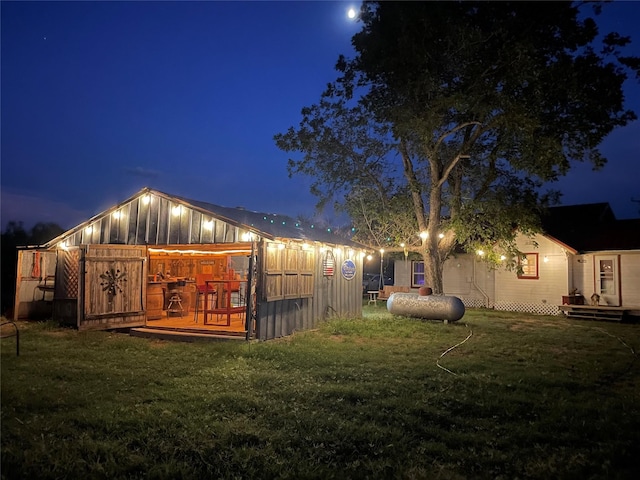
x=271 y=225
x=268 y=225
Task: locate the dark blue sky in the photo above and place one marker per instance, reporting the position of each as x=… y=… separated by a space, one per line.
x=102 y=99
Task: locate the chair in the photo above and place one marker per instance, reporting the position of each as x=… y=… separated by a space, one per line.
x=234 y=288
x=201 y=290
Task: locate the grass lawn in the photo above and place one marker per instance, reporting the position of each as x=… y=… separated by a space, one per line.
x=524 y=397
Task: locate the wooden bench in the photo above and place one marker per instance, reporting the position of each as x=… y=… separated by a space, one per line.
x=594 y=312
x=388 y=290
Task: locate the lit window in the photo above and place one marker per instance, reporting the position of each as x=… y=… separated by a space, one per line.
x=528 y=265
x=417 y=274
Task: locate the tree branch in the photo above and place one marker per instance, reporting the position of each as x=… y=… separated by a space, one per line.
x=452 y=131
x=414 y=185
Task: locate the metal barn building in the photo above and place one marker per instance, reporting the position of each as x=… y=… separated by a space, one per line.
x=165 y=262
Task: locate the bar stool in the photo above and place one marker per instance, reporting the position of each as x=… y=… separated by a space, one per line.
x=175 y=303
x=201 y=291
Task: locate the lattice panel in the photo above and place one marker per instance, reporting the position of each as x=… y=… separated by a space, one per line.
x=70 y=273
x=535 y=308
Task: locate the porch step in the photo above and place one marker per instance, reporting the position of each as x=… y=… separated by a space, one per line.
x=177 y=335
x=588 y=312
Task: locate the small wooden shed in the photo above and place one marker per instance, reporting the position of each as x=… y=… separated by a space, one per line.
x=157 y=258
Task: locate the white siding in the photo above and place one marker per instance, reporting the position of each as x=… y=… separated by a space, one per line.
x=475 y=289
x=541 y=295
x=584 y=276
x=503 y=290
x=469 y=279
x=630 y=279
x=402 y=273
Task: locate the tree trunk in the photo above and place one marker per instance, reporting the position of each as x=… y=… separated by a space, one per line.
x=433 y=269
x=432 y=258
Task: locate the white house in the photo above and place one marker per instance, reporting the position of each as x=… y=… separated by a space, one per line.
x=583 y=248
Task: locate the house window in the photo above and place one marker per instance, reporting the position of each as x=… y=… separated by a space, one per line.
x=528 y=264
x=417 y=274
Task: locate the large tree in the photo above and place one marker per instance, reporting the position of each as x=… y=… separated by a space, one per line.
x=457 y=113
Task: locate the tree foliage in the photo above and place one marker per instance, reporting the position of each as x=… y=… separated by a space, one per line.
x=452 y=115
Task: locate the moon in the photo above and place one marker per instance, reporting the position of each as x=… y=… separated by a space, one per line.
x=351 y=13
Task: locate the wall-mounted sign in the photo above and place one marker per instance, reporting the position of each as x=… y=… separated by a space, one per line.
x=348 y=269
x=328 y=264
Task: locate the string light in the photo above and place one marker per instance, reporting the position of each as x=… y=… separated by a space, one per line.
x=197 y=252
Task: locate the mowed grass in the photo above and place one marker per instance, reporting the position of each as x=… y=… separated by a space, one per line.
x=524 y=397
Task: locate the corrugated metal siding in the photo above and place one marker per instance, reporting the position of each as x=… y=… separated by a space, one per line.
x=332 y=296
x=153 y=220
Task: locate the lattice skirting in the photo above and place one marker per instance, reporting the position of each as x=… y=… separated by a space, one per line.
x=472 y=302
x=536 y=308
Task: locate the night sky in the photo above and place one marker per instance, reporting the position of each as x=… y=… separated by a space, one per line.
x=102 y=99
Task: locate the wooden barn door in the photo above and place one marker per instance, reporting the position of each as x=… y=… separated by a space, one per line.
x=113 y=287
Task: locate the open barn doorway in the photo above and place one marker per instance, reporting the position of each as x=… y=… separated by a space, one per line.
x=200 y=287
